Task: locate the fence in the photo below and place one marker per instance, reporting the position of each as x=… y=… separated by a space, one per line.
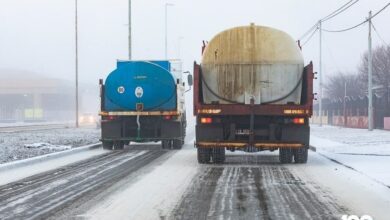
x=352 y=112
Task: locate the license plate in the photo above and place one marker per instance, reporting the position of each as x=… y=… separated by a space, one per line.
x=243 y=132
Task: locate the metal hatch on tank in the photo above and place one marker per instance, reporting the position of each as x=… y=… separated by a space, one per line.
x=141 y=83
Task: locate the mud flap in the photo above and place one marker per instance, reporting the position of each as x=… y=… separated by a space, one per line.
x=170 y=129
x=209 y=133
x=111 y=129
x=296 y=134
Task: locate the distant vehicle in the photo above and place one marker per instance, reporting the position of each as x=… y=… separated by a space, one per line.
x=88 y=119
x=252 y=92
x=143 y=101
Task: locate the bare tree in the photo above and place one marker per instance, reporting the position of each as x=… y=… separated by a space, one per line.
x=335 y=87
x=380 y=70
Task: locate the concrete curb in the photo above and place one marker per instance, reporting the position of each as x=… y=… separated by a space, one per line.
x=46 y=157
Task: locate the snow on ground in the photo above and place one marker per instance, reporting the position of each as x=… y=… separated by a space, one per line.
x=26 y=144
x=155 y=194
x=359 y=194
x=368 y=152
x=13 y=124
x=350 y=140
x=15 y=174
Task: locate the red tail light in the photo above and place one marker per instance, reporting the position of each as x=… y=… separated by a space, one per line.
x=206 y=120
x=111 y=117
x=167 y=117
x=299 y=121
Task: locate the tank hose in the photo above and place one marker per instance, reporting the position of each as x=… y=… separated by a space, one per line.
x=235 y=102
x=138 y=129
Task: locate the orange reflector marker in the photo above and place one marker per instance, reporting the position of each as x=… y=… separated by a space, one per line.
x=206 y=120
x=300 y=121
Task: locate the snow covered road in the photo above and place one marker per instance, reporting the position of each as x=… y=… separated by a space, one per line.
x=144 y=182
x=42 y=195
x=255 y=187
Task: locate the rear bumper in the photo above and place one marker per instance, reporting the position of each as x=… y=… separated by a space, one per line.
x=140 y=113
x=260 y=145
x=151 y=128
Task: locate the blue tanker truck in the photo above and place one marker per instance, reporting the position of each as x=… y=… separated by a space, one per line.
x=143 y=101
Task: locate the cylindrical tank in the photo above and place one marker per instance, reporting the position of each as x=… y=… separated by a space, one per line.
x=139 y=82
x=252 y=63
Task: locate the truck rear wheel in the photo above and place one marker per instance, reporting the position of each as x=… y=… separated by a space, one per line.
x=285 y=155
x=177 y=144
x=218 y=155
x=204 y=155
x=107 y=145
x=300 y=155
x=184 y=133
x=166 y=144
x=119 y=145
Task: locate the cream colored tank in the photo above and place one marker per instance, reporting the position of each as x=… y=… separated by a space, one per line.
x=252 y=62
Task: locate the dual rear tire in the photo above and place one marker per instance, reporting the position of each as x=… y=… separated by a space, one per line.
x=286 y=155
x=174 y=144
x=113 y=145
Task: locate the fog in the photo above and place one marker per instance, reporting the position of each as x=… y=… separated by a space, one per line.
x=38 y=35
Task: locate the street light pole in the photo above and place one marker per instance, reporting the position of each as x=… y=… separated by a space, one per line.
x=345 y=104
x=370 y=108
x=77 y=65
x=130 y=55
x=320 y=74
x=166 y=29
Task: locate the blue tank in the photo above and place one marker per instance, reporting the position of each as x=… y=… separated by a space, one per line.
x=149 y=84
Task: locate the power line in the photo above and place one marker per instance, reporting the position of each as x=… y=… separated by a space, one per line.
x=335 y=11
x=340 y=10
x=308 y=31
x=381 y=10
x=310 y=37
x=329 y=16
x=377 y=33
x=346 y=29
x=361 y=23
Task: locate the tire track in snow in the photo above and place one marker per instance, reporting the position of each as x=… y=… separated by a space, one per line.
x=44 y=194
x=254 y=187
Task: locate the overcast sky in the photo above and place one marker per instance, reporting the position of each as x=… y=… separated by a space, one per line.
x=38 y=35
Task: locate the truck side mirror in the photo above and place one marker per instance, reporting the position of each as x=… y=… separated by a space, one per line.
x=189 y=80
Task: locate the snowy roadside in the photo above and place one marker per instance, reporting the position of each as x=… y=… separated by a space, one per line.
x=18 y=124
x=27 y=144
x=367 y=152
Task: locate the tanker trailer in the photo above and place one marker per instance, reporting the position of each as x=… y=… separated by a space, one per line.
x=142 y=101
x=252 y=92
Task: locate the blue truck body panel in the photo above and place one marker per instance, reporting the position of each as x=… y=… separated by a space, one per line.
x=140 y=82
